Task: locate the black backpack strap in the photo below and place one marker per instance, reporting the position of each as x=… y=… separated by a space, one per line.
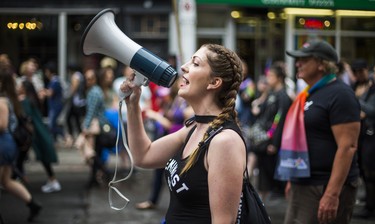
x=189 y=121
x=211 y=134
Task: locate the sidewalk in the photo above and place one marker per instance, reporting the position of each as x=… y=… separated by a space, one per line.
x=66 y=206
x=74 y=205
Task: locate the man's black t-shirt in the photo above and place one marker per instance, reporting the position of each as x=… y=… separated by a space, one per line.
x=333 y=104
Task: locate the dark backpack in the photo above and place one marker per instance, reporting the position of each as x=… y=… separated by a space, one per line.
x=23 y=134
x=251 y=209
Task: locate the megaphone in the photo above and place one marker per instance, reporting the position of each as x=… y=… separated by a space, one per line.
x=103 y=36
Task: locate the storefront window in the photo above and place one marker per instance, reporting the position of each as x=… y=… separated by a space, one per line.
x=358 y=24
x=24 y=36
x=146 y=25
x=248 y=26
x=208 y=18
x=358 y=47
x=149 y=31
x=260 y=41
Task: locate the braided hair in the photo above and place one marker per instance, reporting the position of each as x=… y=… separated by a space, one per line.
x=226 y=65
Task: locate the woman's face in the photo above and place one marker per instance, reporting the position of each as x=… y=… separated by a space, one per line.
x=109 y=77
x=361 y=75
x=196 y=75
x=272 y=79
x=30 y=68
x=128 y=72
x=90 y=78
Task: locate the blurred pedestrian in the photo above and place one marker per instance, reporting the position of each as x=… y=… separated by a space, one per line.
x=111 y=102
x=106 y=77
x=261 y=93
x=9 y=108
x=345 y=72
x=54 y=94
x=246 y=95
x=77 y=104
x=43 y=144
x=205 y=183
x=257 y=105
x=29 y=71
x=364 y=88
x=271 y=121
x=329 y=114
x=105 y=136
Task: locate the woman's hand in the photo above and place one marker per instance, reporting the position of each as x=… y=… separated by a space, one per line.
x=271 y=150
x=131 y=90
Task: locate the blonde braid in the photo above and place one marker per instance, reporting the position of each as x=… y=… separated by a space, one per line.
x=228 y=95
x=227 y=65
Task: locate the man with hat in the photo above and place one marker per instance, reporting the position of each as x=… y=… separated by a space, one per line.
x=364 y=89
x=331 y=121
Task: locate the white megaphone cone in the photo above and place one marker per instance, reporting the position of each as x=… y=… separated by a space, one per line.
x=103 y=36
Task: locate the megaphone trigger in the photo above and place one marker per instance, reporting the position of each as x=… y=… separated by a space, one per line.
x=138 y=80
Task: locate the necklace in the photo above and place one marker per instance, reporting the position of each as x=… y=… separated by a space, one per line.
x=204 y=119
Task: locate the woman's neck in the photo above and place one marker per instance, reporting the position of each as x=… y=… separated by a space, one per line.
x=205 y=107
x=204 y=119
x=278 y=87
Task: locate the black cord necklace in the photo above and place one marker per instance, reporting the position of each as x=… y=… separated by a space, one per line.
x=204 y=119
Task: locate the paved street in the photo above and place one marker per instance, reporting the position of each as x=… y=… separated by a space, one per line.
x=74 y=205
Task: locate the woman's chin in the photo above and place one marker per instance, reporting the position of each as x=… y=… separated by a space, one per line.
x=183 y=92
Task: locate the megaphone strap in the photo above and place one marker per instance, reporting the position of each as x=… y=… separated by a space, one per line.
x=111 y=184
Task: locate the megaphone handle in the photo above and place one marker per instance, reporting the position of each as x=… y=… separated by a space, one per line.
x=139 y=80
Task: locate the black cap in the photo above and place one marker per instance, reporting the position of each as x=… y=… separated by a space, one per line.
x=317 y=48
x=359 y=64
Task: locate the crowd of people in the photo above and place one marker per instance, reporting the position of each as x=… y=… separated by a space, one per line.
x=261 y=116
x=85 y=104
x=338 y=110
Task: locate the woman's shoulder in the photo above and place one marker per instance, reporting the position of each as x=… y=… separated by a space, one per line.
x=3 y=103
x=228 y=145
x=228 y=135
x=228 y=132
x=95 y=91
x=4 y=100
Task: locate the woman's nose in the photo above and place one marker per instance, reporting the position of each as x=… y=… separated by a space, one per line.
x=184 y=68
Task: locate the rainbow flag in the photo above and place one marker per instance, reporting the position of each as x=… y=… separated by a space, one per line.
x=293 y=158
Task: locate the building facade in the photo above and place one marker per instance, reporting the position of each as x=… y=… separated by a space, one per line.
x=52 y=30
x=264 y=29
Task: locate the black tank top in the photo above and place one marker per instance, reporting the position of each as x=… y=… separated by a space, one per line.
x=189 y=198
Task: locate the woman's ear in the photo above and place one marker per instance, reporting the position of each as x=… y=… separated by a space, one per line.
x=215 y=83
x=321 y=68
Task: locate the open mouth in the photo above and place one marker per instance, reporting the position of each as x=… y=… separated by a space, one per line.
x=185 y=80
